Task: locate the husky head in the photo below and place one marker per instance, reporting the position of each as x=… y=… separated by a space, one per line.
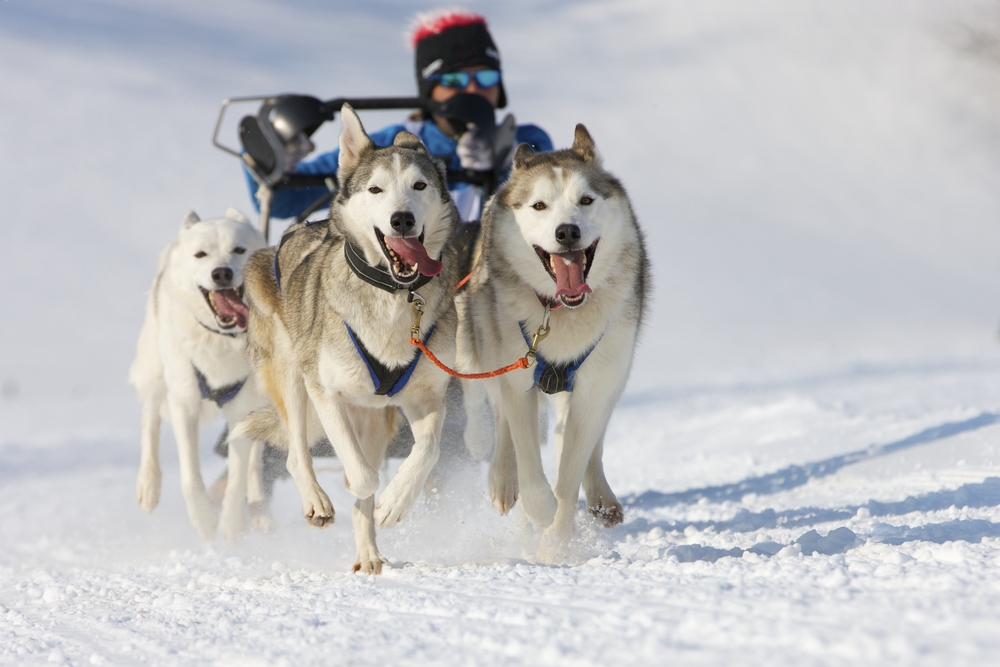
x=206 y=264
x=572 y=221
x=393 y=202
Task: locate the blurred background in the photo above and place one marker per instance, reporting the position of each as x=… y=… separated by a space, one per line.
x=818 y=182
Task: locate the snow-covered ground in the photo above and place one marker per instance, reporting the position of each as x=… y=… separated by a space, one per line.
x=842 y=519
x=807 y=452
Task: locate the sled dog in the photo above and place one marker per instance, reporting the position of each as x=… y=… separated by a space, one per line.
x=331 y=312
x=560 y=247
x=190 y=361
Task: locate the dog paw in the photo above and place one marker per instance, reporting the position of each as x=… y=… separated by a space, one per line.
x=369 y=563
x=503 y=491
x=554 y=547
x=201 y=513
x=610 y=514
x=395 y=503
x=261 y=519
x=147 y=487
x=363 y=482
x=539 y=504
x=504 y=499
x=317 y=508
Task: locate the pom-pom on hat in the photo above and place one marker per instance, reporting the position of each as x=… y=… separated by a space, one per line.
x=447 y=41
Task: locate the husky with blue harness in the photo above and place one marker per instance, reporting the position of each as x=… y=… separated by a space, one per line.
x=560 y=270
x=332 y=313
x=190 y=362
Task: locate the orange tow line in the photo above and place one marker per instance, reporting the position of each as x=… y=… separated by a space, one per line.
x=524 y=362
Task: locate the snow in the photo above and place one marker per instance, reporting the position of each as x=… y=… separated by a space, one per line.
x=807 y=452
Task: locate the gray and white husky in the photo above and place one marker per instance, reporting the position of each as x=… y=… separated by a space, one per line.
x=560 y=247
x=190 y=361
x=331 y=312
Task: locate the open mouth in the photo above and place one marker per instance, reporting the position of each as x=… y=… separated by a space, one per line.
x=227 y=306
x=569 y=271
x=408 y=259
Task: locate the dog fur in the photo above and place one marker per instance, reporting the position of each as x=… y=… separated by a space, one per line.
x=302 y=353
x=597 y=304
x=196 y=323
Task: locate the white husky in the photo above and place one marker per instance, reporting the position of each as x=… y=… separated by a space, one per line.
x=560 y=248
x=190 y=360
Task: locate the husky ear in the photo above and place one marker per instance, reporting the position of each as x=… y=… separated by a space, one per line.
x=354 y=141
x=233 y=214
x=524 y=151
x=583 y=145
x=411 y=141
x=190 y=219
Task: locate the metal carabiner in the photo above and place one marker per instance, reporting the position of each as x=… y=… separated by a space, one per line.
x=417 y=304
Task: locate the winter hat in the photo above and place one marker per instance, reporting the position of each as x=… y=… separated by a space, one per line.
x=447 y=41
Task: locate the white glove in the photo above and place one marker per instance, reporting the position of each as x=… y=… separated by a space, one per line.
x=474 y=150
x=297 y=148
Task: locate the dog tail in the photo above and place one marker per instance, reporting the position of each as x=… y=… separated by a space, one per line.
x=263 y=424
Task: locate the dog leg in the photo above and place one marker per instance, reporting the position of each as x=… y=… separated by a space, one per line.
x=368 y=559
x=521 y=411
x=150 y=480
x=404 y=489
x=478 y=427
x=584 y=426
x=316 y=506
x=232 y=520
x=258 y=501
x=185 y=422
x=503 y=467
x=601 y=500
x=362 y=478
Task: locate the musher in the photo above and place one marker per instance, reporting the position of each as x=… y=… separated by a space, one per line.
x=454 y=54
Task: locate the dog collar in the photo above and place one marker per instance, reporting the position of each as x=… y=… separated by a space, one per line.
x=231 y=334
x=551 y=304
x=377 y=276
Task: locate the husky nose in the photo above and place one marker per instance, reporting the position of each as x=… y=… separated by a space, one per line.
x=402 y=221
x=222 y=276
x=567 y=235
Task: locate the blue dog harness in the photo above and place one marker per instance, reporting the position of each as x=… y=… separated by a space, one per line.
x=219 y=396
x=387 y=381
x=553 y=378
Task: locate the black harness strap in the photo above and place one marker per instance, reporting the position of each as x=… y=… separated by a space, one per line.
x=553 y=378
x=219 y=396
x=377 y=276
x=287 y=235
x=387 y=381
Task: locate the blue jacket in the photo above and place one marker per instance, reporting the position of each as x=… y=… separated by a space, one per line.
x=289 y=203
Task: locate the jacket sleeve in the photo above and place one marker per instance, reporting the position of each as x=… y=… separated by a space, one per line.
x=290 y=202
x=535 y=137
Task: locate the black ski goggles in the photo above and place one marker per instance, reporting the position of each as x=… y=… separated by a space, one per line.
x=485 y=78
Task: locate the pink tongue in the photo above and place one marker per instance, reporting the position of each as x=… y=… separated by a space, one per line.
x=228 y=303
x=412 y=251
x=569 y=277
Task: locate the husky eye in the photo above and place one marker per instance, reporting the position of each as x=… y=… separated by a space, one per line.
x=419 y=185
x=586 y=201
x=539 y=206
x=374 y=189
x=239 y=251
x=200 y=254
